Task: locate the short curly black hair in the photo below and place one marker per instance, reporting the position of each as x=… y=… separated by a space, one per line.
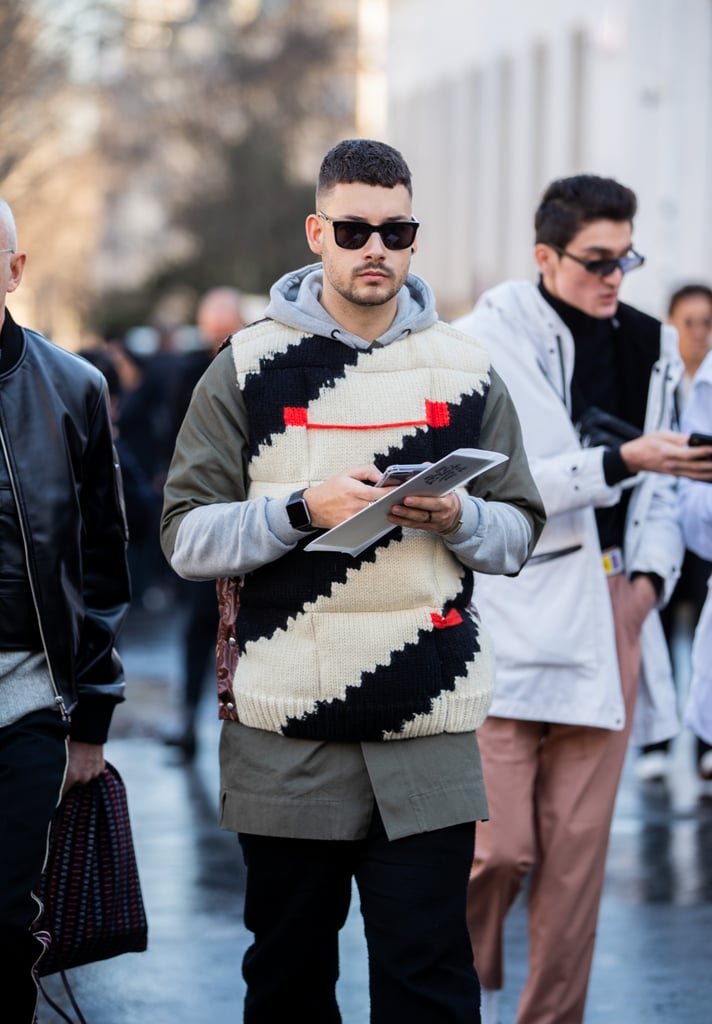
x=365 y=161
x=568 y=204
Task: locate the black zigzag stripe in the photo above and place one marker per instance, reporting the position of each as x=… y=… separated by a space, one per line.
x=281 y=589
x=301 y=373
x=465 y=425
x=393 y=694
x=465 y=422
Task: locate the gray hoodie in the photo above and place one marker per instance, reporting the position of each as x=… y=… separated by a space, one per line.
x=295 y=301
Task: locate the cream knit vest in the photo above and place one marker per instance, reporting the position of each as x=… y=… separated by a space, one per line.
x=381 y=646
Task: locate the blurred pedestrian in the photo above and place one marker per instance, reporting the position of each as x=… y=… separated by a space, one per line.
x=64 y=592
x=142 y=503
x=695 y=507
x=218 y=316
x=146 y=363
x=690 y=313
x=568 y=629
x=349 y=749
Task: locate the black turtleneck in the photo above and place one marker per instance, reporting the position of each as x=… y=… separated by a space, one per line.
x=613 y=359
x=10 y=343
x=596 y=376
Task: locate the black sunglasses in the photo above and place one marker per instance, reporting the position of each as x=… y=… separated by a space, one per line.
x=602 y=268
x=353 y=234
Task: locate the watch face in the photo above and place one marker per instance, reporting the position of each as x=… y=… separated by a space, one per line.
x=298 y=512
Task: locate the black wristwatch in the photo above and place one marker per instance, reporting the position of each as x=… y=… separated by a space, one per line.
x=298 y=512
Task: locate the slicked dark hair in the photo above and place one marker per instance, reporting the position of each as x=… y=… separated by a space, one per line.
x=364 y=161
x=569 y=204
x=689 y=291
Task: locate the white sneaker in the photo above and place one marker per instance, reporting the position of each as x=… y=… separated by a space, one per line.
x=652 y=767
x=489 y=1005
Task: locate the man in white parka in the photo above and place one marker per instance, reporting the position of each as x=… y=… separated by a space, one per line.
x=568 y=629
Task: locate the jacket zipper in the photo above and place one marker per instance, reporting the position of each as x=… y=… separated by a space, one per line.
x=58 y=699
x=548 y=556
x=560 y=394
x=564 y=397
x=665 y=371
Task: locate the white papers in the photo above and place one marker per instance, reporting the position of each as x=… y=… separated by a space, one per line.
x=371 y=523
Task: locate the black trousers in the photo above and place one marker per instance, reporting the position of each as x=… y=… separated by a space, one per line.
x=201 y=632
x=33 y=758
x=413 y=898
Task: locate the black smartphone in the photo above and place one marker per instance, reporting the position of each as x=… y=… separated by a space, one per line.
x=395 y=475
x=698 y=439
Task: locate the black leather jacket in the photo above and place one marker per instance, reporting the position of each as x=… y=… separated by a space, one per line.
x=63 y=529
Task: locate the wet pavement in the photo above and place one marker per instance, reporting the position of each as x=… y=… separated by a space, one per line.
x=652 y=960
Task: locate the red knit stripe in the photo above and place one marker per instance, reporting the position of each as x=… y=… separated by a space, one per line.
x=294 y=416
x=453 y=618
x=437 y=414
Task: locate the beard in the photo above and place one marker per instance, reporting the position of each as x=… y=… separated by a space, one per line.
x=368 y=293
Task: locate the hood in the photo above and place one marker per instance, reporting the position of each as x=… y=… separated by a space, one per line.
x=294 y=301
x=519 y=309
x=521 y=304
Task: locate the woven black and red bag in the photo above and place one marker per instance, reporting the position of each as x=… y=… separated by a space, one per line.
x=90 y=889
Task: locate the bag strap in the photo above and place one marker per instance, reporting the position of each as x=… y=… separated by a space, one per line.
x=226 y=651
x=81 y=1019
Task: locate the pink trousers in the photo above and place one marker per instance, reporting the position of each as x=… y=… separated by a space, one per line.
x=551 y=791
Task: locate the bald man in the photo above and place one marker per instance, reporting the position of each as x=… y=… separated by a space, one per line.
x=218 y=316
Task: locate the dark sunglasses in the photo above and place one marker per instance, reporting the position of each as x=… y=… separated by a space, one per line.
x=602 y=268
x=353 y=234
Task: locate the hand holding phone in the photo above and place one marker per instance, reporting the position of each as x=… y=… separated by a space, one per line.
x=395 y=475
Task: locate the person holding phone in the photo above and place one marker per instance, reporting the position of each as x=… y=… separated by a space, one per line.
x=348 y=748
x=580 y=648
x=690 y=313
x=695 y=510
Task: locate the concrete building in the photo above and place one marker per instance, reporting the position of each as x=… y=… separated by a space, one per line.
x=490 y=101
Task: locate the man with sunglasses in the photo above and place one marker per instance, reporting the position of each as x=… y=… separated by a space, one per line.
x=348 y=749
x=574 y=629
